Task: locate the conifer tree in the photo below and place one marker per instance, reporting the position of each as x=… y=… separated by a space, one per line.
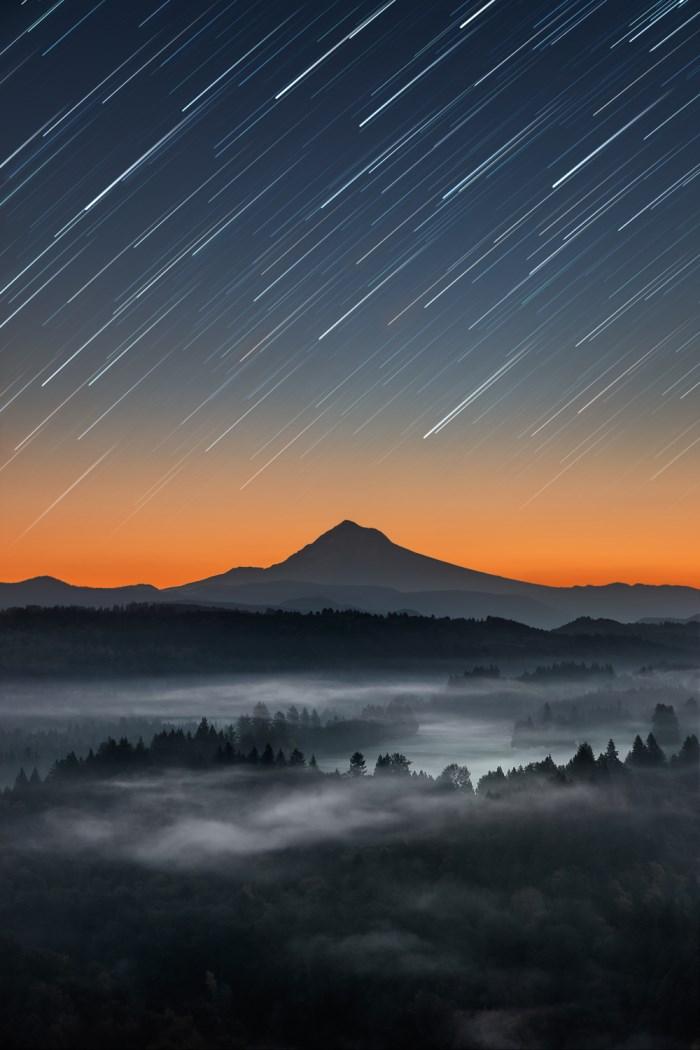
x=689 y=754
x=582 y=766
x=638 y=756
x=655 y=756
x=358 y=766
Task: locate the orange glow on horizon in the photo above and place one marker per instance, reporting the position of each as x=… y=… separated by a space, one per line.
x=588 y=528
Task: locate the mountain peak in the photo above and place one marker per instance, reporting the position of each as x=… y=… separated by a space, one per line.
x=352 y=554
x=349 y=530
x=345 y=547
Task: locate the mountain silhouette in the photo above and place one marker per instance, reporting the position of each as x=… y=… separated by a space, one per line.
x=352 y=555
x=352 y=566
x=47 y=590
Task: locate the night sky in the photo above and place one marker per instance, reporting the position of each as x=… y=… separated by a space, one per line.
x=432 y=267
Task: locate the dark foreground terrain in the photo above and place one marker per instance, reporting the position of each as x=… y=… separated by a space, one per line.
x=187 y=894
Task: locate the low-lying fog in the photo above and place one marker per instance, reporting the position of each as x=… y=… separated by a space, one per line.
x=197 y=819
x=472 y=724
x=191 y=820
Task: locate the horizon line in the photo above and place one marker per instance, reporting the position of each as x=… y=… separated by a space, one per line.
x=366 y=528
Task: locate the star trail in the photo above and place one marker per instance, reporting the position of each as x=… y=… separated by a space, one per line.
x=299 y=261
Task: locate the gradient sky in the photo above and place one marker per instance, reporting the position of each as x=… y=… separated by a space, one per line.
x=431 y=267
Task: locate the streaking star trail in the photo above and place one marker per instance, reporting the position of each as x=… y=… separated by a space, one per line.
x=434 y=267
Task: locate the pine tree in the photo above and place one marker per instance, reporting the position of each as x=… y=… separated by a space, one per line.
x=262 y=723
x=582 y=766
x=689 y=754
x=394 y=764
x=358 y=766
x=279 y=727
x=655 y=756
x=686 y=764
x=609 y=761
x=638 y=756
x=612 y=756
x=492 y=783
x=382 y=765
x=665 y=724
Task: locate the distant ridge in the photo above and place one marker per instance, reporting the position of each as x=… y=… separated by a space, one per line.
x=47 y=590
x=175 y=638
x=353 y=566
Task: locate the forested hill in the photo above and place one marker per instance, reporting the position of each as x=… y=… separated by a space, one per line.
x=160 y=639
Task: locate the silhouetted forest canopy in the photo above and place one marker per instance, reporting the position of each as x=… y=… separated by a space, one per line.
x=491 y=672
x=567 y=669
x=241 y=745
x=567 y=719
x=300 y=726
x=154 y=639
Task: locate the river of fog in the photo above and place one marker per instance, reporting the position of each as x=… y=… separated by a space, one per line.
x=471 y=726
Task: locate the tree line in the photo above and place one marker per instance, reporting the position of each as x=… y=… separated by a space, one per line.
x=144 y=638
x=567 y=715
x=605 y=770
x=211 y=748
